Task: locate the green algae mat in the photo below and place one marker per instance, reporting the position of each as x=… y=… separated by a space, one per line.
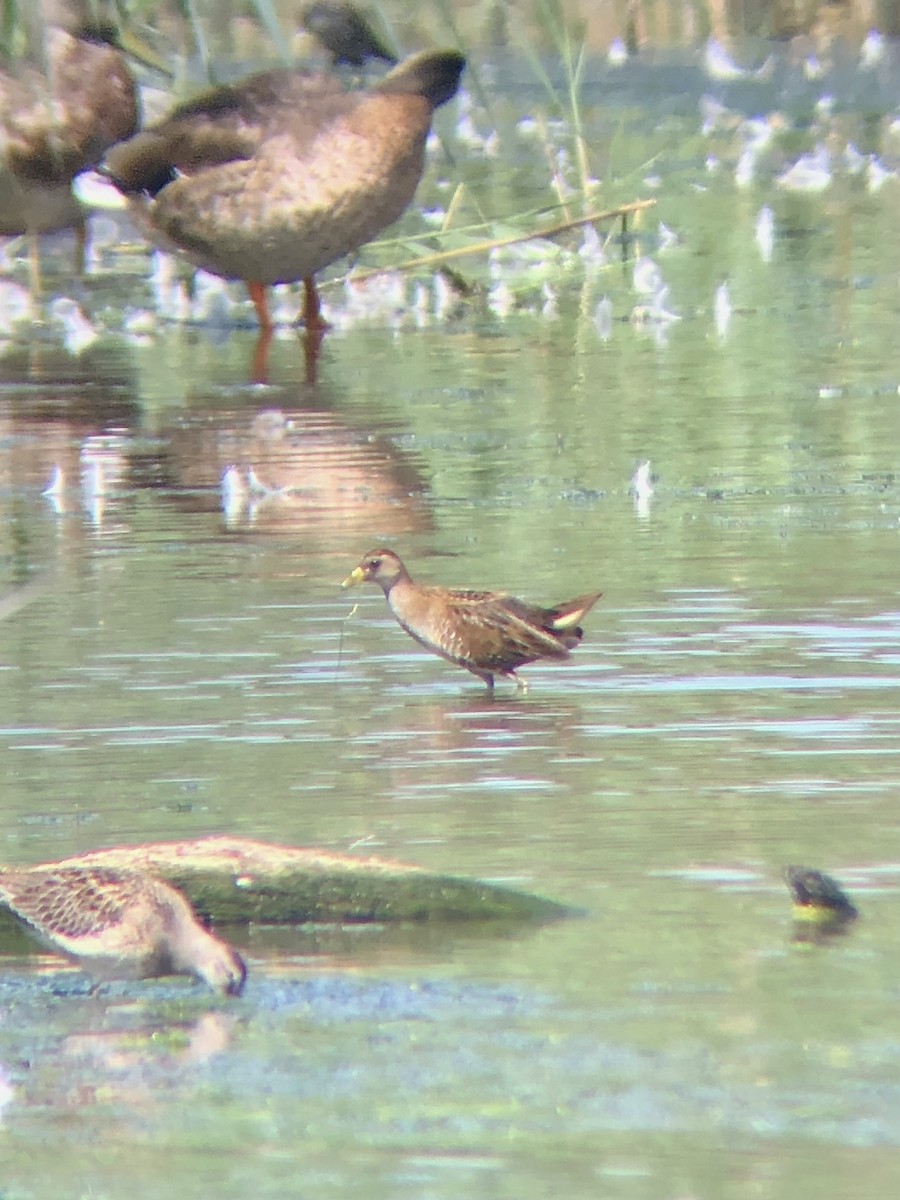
x=234 y=880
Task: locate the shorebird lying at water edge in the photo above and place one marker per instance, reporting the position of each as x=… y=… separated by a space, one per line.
x=118 y=924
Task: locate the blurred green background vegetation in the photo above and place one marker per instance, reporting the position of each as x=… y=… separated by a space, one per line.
x=259 y=28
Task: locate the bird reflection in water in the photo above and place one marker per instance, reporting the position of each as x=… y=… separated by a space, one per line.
x=291 y=469
x=115 y=1066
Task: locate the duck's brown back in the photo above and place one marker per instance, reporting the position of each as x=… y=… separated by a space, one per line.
x=275 y=178
x=321 y=183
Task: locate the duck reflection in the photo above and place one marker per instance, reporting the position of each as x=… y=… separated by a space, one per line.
x=282 y=469
x=65 y=426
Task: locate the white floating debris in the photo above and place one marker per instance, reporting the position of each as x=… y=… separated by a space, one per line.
x=810 y=173
x=667 y=237
x=284 y=305
x=104 y=235
x=642 y=489
x=745 y=170
x=757 y=135
x=765 y=232
x=550 y=306
x=492 y=144
x=94 y=489
x=646 y=277
x=814 y=68
x=656 y=312
x=873 y=51
x=103 y=464
x=617 y=54
x=877 y=175
x=501 y=299
x=722 y=309
x=382 y=298
x=603 y=318
x=591 y=250
x=467 y=132
x=139 y=322
x=234 y=493
x=212 y=302
x=434 y=216
x=719 y=64
x=421 y=305
x=715 y=116
x=256 y=485
x=170 y=293
x=445 y=298
x=7 y=1091
x=77 y=329
x=15 y=306
x=10 y=248
x=538 y=258
x=271 y=425
x=760 y=131
x=57 y=484
x=562 y=173
x=642 y=481
x=854 y=161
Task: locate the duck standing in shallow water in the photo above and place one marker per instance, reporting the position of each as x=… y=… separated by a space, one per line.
x=273 y=179
x=61 y=108
x=119 y=925
x=488 y=633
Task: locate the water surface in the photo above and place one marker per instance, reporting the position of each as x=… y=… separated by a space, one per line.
x=177 y=670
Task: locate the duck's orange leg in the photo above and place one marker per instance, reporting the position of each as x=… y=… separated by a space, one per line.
x=259 y=370
x=261 y=304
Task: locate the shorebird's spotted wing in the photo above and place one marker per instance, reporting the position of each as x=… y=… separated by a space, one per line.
x=495 y=631
x=70 y=904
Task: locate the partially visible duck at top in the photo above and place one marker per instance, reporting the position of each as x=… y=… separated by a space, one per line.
x=272 y=179
x=344 y=33
x=62 y=105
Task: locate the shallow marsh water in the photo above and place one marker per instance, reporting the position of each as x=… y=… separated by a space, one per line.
x=176 y=670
